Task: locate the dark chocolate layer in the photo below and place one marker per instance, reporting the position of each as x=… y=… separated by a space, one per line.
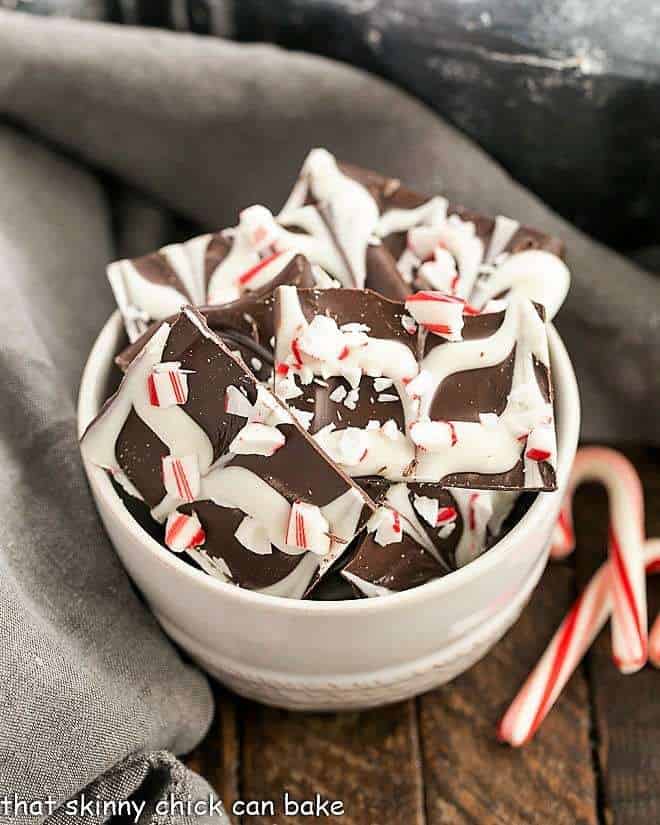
x=251 y=316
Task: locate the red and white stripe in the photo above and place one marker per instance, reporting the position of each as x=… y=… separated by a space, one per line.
x=438 y=313
x=167 y=385
x=626 y=537
x=575 y=635
x=183 y=532
x=446 y=515
x=181 y=476
x=308 y=529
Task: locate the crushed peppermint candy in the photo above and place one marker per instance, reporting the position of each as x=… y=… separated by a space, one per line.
x=381 y=384
x=355 y=327
x=181 y=476
x=236 y=403
x=386 y=526
x=168 y=385
x=440 y=273
x=303 y=417
x=338 y=394
x=387 y=396
x=257 y=439
x=540 y=443
x=308 y=529
x=183 y=532
x=438 y=313
x=433 y=435
x=391 y=429
x=257 y=364
x=352 y=399
x=427 y=508
x=352 y=445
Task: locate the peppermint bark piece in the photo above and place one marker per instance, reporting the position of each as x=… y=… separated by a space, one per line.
x=219 y=268
x=442 y=529
x=462 y=401
x=225 y=465
x=370 y=230
x=245 y=324
x=343 y=358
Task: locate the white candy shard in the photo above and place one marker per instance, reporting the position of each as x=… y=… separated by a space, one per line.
x=338 y=394
x=541 y=444
x=439 y=313
x=308 y=529
x=181 y=476
x=391 y=429
x=286 y=388
x=352 y=399
x=257 y=439
x=440 y=273
x=303 y=417
x=253 y=536
x=352 y=445
x=236 y=403
x=168 y=385
x=183 y=532
x=427 y=508
x=355 y=327
x=433 y=436
x=381 y=384
x=385 y=524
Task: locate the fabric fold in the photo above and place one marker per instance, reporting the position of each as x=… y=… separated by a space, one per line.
x=87 y=678
x=208 y=126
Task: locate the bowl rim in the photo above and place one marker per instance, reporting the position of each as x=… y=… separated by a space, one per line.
x=567 y=399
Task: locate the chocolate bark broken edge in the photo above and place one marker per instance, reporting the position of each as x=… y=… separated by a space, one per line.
x=198 y=319
x=302 y=275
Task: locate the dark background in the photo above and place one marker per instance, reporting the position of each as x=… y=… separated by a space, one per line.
x=565 y=95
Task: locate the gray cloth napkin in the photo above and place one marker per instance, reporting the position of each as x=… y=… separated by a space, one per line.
x=91 y=693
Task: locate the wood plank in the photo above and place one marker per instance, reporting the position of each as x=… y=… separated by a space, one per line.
x=627 y=710
x=217 y=757
x=370 y=761
x=469 y=776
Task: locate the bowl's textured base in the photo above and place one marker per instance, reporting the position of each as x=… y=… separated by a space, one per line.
x=359 y=691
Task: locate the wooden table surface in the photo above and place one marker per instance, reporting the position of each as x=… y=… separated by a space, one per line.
x=435 y=759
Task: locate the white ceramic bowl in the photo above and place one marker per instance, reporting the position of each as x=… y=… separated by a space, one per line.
x=335 y=655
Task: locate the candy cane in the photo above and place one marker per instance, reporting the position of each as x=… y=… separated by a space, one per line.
x=654 y=643
x=626 y=537
x=654 y=635
x=576 y=633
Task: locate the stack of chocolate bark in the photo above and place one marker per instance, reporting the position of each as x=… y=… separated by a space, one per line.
x=357 y=390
